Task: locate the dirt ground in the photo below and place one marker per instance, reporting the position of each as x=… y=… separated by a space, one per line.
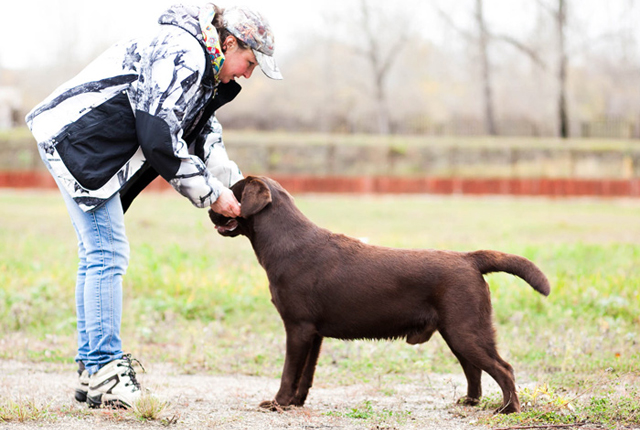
x=202 y=401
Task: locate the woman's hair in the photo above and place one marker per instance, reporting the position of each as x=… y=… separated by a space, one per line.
x=223 y=33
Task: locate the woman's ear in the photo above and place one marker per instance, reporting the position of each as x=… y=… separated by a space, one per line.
x=228 y=43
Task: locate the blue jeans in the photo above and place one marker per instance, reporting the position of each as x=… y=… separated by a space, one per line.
x=103 y=249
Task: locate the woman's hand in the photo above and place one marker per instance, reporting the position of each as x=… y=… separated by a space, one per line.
x=226 y=204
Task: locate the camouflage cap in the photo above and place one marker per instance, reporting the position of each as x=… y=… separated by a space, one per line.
x=252 y=28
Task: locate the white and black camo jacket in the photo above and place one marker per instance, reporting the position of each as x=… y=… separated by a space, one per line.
x=145 y=107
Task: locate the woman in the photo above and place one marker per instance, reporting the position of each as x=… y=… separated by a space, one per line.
x=143 y=108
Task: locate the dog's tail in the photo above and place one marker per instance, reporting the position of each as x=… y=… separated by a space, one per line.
x=495 y=261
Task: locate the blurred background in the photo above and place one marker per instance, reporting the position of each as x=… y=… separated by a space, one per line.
x=509 y=89
x=432 y=67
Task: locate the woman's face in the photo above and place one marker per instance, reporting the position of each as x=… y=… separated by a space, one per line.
x=237 y=62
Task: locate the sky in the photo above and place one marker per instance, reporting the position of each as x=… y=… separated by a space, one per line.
x=31 y=30
x=34 y=32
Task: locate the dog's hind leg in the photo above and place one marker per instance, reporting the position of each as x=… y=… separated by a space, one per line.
x=306 y=380
x=474 y=381
x=480 y=351
x=300 y=342
x=504 y=371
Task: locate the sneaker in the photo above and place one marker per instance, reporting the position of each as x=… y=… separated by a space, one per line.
x=114 y=385
x=83 y=383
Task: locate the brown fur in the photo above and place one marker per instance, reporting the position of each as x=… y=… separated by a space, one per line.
x=330 y=285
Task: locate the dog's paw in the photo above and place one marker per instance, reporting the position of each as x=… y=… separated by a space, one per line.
x=468 y=401
x=272 y=405
x=298 y=401
x=508 y=409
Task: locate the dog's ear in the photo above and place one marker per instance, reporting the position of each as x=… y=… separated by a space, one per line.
x=255 y=196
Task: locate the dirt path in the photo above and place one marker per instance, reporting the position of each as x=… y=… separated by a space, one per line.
x=230 y=402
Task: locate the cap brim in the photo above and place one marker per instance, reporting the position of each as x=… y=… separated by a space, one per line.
x=268 y=65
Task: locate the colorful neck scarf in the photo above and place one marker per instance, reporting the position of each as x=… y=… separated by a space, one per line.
x=211 y=39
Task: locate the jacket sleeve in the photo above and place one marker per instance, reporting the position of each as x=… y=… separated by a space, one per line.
x=215 y=155
x=169 y=80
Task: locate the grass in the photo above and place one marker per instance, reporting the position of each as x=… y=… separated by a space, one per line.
x=201 y=301
x=366 y=411
x=612 y=405
x=150 y=408
x=22 y=410
x=28 y=409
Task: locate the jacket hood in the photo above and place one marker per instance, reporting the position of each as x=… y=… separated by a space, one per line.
x=185 y=17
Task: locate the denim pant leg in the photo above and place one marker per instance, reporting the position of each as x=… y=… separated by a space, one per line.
x=103 y=250
x=83 y=339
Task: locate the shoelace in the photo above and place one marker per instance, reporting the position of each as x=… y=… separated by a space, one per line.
x=131 y=373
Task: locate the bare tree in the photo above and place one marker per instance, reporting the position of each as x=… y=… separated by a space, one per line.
x=482 y=40
x=380 y=60
x=559 y=15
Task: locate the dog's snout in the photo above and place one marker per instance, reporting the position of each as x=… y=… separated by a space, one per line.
x=216 y=218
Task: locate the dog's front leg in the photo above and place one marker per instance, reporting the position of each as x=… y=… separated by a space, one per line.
x=300 y=340
x=306 y=381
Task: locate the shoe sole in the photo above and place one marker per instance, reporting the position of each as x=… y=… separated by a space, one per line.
x=95 y=402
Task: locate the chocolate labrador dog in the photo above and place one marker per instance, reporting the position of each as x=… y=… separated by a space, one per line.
x=329 y=285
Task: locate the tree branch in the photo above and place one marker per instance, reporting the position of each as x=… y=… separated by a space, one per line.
x=395 y=48
x=529 y=52
x=548 y=8
x=449 y=21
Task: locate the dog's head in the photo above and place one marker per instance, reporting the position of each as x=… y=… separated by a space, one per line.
x=254 y=194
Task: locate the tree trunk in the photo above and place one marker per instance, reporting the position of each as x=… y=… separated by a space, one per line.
x=384 y=119
x=489 y=116
x=563 y=116
x=379 y=71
